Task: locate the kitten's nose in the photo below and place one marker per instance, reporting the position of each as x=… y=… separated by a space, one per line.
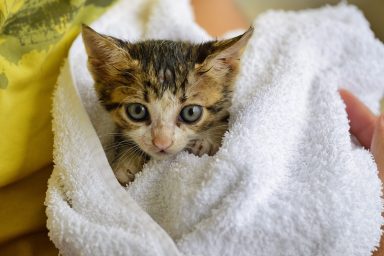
x=162 y=143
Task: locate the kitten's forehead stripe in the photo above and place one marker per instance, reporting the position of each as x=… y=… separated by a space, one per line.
x=165 y=63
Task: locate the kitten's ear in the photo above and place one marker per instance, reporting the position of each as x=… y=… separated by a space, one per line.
x=106 y=54
x=99 y=46
x=223 y=55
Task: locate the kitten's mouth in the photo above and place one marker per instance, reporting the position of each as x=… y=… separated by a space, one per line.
x=162 y=154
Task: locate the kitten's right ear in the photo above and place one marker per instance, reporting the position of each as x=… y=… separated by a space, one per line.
x=106 y=54
x=100 y=47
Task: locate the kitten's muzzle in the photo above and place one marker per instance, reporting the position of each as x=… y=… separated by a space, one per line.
x=162 y=143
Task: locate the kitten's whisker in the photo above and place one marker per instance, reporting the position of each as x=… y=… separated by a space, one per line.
x=116 y=146
x=111 y=134
x=119 y=144
x=127 y=155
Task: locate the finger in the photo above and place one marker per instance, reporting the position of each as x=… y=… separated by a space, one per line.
x=362 y=120
x=377 y=149
x=377 y=146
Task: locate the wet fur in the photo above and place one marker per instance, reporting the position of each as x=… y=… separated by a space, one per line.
x=164 y=76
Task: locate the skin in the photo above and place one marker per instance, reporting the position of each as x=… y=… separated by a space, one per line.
x=366 y=127
x=369 y=130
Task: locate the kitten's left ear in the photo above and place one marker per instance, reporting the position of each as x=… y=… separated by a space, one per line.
x=223 y=55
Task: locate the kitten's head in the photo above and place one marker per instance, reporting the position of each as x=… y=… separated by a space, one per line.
x=165 y=95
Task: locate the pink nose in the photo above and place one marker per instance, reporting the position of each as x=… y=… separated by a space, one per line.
x=162 y=143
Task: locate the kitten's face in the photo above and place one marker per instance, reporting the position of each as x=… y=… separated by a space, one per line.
x=163 y=95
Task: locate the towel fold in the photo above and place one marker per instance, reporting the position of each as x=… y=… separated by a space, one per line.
x=287 y=179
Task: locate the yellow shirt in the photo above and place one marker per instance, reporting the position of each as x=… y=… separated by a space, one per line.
x=35 y=36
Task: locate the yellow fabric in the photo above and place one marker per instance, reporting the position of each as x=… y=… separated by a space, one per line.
x=35 y=36
x=22 y=208
x=36 y=244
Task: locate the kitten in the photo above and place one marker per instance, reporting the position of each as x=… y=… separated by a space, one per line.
x=164 y=96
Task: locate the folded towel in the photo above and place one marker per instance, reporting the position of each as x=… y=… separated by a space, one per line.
x=287 y=179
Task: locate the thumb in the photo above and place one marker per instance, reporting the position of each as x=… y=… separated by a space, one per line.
x=377 y=145
x=362 y=120
x=377 y=149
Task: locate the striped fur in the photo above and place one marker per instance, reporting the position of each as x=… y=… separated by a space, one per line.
x=164 y=76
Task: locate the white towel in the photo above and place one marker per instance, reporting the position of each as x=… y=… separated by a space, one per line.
x=287 y=179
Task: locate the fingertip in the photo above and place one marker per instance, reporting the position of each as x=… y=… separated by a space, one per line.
x=347 y=97
x=342 y=90
x=362 y=120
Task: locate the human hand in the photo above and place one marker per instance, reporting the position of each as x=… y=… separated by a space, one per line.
x=369 y=131
x=366 y=127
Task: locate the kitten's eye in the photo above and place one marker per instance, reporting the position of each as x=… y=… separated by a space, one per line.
x=137 y=112
x=190 y=114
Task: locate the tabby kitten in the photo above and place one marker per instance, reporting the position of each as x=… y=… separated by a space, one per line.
x=164 y=96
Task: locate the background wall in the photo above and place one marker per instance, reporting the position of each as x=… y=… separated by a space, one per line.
x=373 y=9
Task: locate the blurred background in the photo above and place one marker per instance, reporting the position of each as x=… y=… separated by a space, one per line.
x=373 y=11
x=219 y=16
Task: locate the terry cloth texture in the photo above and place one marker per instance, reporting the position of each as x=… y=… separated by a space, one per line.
x=287 y=179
